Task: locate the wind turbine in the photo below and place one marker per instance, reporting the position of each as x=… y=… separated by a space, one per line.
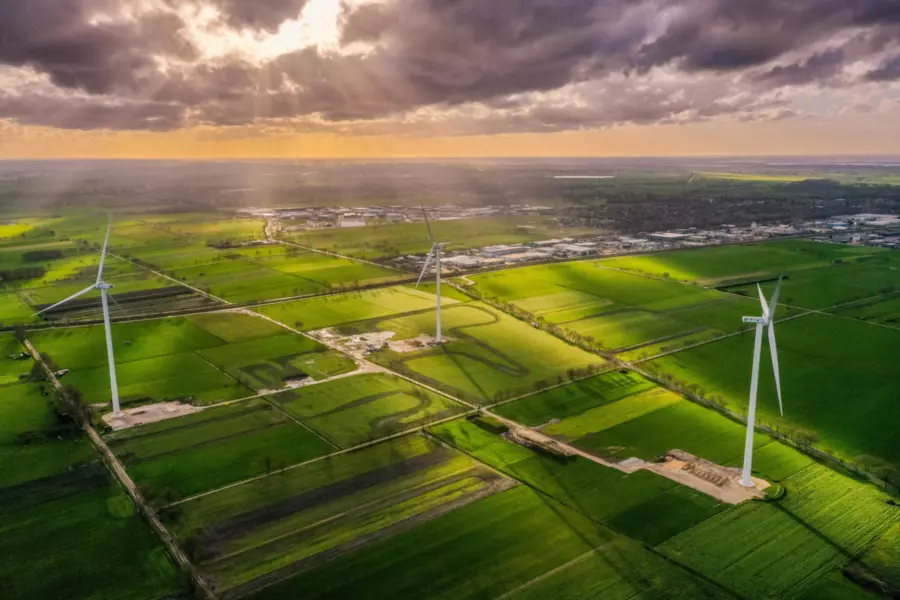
x=104 y=288
x=767 y=320
x=433 y=254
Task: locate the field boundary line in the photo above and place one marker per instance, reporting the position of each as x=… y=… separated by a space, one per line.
x=554 y=571
x=337 y=255
x=181 y=283
x=301 y=423
x=411 y=431
x=124 y=480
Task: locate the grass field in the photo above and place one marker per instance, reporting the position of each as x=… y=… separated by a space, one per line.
x=355 y=409
x=72 y=531
x=202 y=451
x=188 y=358
x=828 y=366
x=386 y=241
x=242 y=279
x=787 y=548
x=268 y=363
x=487 y=550
x=267 y=530
x=488 y=355
x=11 y=365
x=733 y=264
x=613 y=310
x=331 y=311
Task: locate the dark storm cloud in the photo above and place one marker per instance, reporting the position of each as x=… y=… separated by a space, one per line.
x=90 y=113
x=817 y=67
x=889 y=70
x=56 y=37
x=259 y=14
x=447 y=54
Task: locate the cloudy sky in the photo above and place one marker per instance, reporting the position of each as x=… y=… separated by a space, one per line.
x=218 y=78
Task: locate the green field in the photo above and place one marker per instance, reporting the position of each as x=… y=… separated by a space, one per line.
x=202 y=451
x=269 y=363
x=72 y=531
x=187 y=358
x=386 y=241
x=488 y=355
x=497 y=548
x=364 y=407
x=244 y=279
x=11 y=363
x=331 y=311
x=824 y=520
x=838 y=391
x=613 y=310
x=732 y=264
x=248 y=536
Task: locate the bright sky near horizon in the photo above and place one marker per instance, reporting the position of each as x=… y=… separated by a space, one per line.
x=410 y=78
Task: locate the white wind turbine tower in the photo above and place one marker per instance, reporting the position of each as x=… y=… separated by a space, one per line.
x=433 y=254
x=767 y=320
x=104 y=288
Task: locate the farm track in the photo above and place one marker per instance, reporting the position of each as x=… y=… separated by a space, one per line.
x=160 y=274
x=121 y=475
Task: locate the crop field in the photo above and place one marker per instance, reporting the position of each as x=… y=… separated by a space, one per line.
x=836 y=379
x=883 y=558
x=488 y=355
x=825 y=287
x=486 y=550
x=733 y=264
x=11 y=365
x=614 y=310
x=269 y=363
x=340 y=309
x=73 y=532
x=883 y=311
x=212 y=448
x=824 y=520
x=386 y=241
x=295 y=274
x=264 y=531
x=187 y=357
x=594 y=490
x=356 y=409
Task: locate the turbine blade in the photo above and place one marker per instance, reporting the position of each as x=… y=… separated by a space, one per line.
x=103 y=255
x=774 y=350
x=119 y=306
x=72 y=297
x=775 y=297
x=425 y=266
x=427 y=224
x=762 y=300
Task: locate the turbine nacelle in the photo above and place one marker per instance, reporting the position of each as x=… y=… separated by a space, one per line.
x=756 y=320
x=104 y=286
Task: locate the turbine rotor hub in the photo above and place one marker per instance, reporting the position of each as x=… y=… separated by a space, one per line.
x=104 y=286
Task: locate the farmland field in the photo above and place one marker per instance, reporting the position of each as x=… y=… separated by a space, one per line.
x=488 y=355
x=11 y=365
x=174 y=459
x=731 y=264
x=613 y=310
x=331 y=311
x=153 y=358
x=835 y=378
x=355 y=409
x=53 y=490
x=269 y=529
x=243 y=279
x=824 y=520
x=386 y=241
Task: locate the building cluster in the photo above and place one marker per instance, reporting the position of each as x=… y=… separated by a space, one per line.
x=861 y=230
x=328 y=217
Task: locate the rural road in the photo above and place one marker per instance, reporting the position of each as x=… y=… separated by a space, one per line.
x=163 y=275
x=129 y=486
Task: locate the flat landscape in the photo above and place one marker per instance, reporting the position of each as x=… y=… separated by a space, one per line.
x=331 y=449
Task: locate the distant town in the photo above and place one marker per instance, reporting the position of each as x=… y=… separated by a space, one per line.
x=881 y=230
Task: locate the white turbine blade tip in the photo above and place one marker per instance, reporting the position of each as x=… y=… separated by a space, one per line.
x=762 y=301
x=775 y=296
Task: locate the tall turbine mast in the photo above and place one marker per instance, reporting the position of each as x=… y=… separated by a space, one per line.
x=435 y=255
x=767 y=320
x=103 y=288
